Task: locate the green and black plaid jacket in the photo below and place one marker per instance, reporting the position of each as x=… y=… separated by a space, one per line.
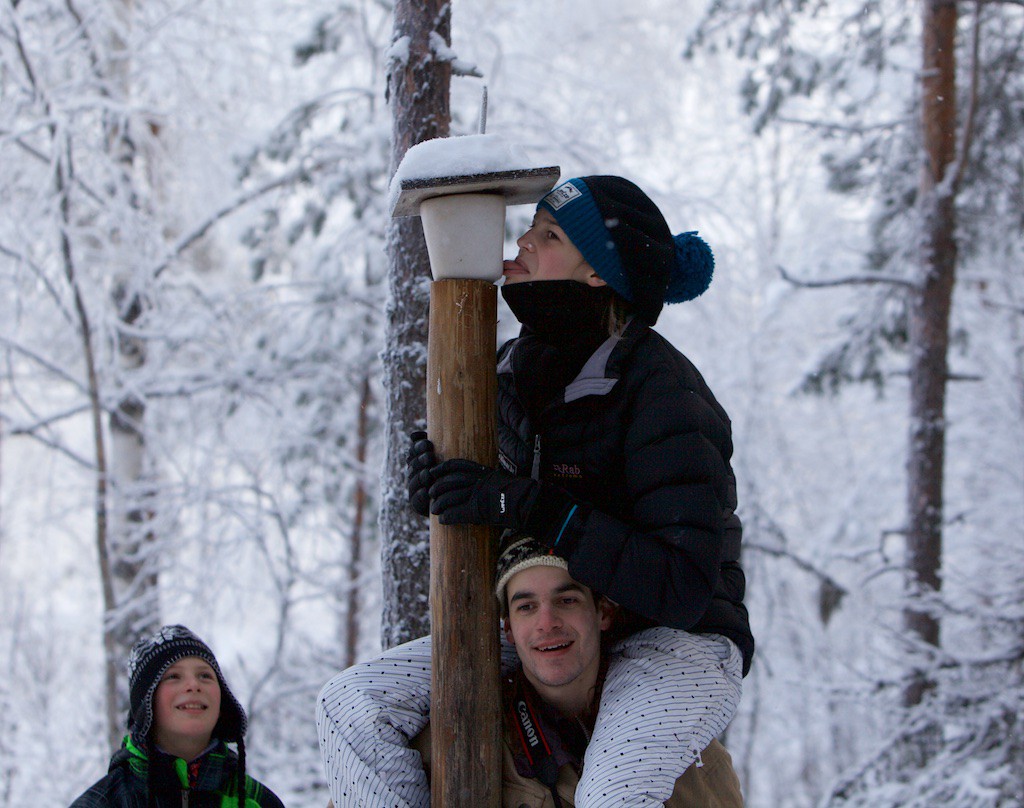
x=207 y=782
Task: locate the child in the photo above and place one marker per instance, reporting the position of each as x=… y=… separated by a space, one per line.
x=615 y=455
x=181 y=717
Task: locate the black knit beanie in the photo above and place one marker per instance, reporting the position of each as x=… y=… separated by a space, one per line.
x=149 y=660
x=624 y=236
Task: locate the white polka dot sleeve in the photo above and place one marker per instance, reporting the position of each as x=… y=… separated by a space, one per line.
x=667 y=695
x=365 y=718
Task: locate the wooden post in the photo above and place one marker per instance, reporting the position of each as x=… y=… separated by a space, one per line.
x=463 y=223
x=465 y=706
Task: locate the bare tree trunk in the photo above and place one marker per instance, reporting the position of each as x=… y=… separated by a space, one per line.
x=418 y=90
x=62 y=183
x=131 y=541
x=1 y=479
x=134 y=556
x=929 y=330
x=358 y=519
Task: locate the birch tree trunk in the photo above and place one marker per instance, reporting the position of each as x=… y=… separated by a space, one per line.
x=929 y=329
x=131 y=542
x=418 y=90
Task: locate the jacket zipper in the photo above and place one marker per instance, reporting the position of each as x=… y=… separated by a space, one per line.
x=536 y=457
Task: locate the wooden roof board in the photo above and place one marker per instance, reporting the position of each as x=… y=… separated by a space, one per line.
x=518 y=186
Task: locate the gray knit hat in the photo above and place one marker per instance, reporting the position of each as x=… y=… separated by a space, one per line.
x=149 y=660
x=517 y=553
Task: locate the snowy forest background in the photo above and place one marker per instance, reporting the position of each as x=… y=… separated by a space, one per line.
x=209 y=359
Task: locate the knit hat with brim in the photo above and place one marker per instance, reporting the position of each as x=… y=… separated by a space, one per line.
x=624 y=236
x=517 y=553
x=149 y=660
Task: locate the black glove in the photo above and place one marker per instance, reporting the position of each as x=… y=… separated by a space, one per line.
x=418 y=463
x=465 y=492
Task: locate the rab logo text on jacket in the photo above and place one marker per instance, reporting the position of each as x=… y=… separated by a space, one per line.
x=566 y=471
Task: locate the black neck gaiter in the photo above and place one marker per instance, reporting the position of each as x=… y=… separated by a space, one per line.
x=563 y=314
x=563 y=324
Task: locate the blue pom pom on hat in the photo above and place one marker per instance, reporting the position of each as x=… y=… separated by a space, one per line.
x=623 y=235
x=696 y=266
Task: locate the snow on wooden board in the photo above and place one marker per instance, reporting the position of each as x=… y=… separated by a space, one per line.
x=466 y=164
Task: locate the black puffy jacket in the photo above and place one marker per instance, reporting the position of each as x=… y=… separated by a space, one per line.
x=638 y=436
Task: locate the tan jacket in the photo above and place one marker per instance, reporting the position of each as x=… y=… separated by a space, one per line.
x=713 y=785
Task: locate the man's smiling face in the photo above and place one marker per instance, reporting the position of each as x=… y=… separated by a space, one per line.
x=556 y=627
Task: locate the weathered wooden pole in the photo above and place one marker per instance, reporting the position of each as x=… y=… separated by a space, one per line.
x=463 y=221
x=465 y=705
